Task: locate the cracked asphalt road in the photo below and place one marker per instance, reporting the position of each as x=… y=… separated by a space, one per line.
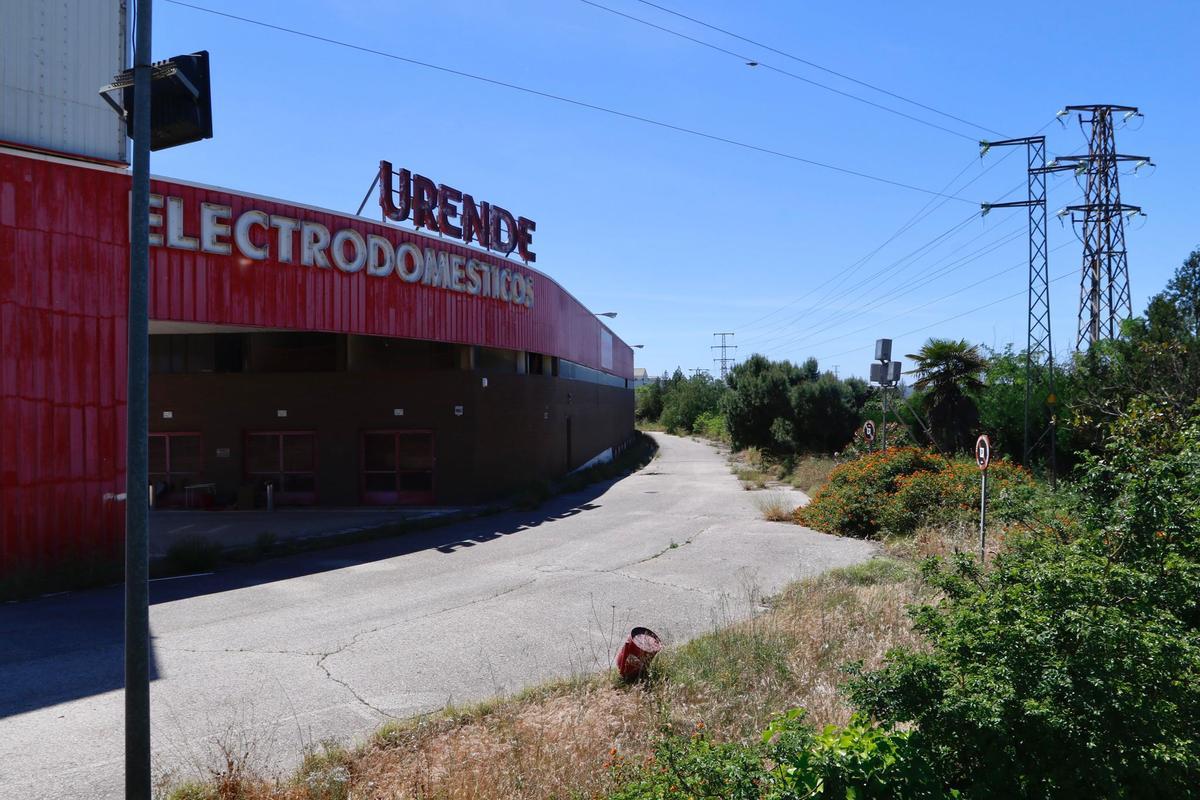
x=280 y=655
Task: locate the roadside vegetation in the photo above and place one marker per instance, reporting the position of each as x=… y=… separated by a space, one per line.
x=591 y=736
x=1065 y=664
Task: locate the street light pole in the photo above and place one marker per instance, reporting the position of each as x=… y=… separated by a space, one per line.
x=137 y=539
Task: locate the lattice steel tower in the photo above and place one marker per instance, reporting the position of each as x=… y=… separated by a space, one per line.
x=1039 y=346
x=1104 y=297
x=725 y=360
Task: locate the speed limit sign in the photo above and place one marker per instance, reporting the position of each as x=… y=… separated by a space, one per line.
x=983 y=451
x=869 y=430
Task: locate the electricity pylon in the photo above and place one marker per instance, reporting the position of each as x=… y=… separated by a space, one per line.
x=1104 y=298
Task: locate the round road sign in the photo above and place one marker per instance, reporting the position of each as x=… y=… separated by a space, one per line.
x=983 y=451
x=869 y=430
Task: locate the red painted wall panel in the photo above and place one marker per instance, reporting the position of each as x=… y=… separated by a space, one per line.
x=63 y=287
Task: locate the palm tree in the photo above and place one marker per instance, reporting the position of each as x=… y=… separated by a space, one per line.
x=950 y=373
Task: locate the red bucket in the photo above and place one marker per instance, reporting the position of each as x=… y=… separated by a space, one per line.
x=637 y=652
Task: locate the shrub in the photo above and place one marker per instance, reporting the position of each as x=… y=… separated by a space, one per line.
x=1072 y=667
x=687 y=400
x=1058 y=674
x=711 y=424
x=851 y=503
x=903 y=489
x=951 y=494
x=859 y=760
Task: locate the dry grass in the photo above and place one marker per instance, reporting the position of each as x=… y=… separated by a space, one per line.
x=777 y=506
x=945 y=540
x=752 y=478
x=559 y=740
x=811 y=472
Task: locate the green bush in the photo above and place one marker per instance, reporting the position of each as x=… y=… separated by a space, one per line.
x=1071 y=668
x=951 y=494
x=859 y=761
x=786 y=408
x=687 y=400
x=711 y=424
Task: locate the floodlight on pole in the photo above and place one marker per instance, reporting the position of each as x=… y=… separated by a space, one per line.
x=163 y=104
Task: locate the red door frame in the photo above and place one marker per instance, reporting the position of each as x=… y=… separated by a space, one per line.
x=282 y=497
x=396 y=497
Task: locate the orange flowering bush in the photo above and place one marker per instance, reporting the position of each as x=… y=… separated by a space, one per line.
x=951 y=494
x=852 y=502
x=905 y=488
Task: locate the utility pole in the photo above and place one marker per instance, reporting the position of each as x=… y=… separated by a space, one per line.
x=724 y=360
x=1038 y=344
x=699 y=371
x=1104 y=298
x=137 y=501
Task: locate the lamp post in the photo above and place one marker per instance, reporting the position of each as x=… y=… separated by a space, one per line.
x=609 y=314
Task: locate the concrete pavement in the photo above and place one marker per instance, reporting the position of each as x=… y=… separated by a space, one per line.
x=281 y=655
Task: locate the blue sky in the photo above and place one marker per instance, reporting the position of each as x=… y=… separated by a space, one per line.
x=684 y=236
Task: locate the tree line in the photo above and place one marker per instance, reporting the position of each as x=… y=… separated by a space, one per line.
x=954 y=391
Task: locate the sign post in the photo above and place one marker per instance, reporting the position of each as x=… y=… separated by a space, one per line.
x=983 y=455
x=869 y=433
x=886 y=373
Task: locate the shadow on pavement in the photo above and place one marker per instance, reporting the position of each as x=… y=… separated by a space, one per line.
x=61 y=648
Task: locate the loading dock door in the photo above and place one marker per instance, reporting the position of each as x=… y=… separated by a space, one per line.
x=288 y=461
x=397 y=468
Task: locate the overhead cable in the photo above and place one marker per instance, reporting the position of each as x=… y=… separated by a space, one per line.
x=749 y=60
x=825 y=69
x=571 y=101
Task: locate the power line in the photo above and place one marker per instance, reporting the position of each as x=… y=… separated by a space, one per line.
x=954 y=265
x=770 y=334
x=875 y=325
x=839 y=291
x=927 y=279
x=750 y=61
x=570 y=101
x=815 y=65
x=915 y=219
x=924 y=328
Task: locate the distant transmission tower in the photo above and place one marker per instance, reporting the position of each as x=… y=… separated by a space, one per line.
x=1038 y=344
x=1104 y=297
x=725 y=360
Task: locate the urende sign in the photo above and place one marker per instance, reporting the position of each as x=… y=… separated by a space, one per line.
x=446 y=211
x=261 y=236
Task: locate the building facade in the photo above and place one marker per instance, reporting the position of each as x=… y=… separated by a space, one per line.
x=323 y=358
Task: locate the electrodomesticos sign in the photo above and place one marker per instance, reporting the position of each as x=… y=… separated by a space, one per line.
x=260 y=236
x=448 y=212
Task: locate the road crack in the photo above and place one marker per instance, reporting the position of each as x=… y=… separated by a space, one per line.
x=356 y=638
x=672 y=546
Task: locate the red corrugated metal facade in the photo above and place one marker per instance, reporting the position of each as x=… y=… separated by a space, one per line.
x=63 y=262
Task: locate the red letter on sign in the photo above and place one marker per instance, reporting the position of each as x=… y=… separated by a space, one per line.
x=447 y=211
x=424 y=199
x=525 y=229
x=398 y=213
x=503 y=241
x=474 y=223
